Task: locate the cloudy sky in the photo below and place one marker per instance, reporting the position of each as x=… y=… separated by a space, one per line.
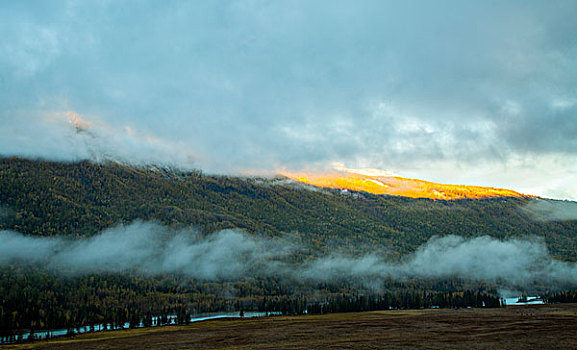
x=451 y=91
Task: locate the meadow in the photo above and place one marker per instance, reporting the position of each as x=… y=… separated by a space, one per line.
x=520 y=327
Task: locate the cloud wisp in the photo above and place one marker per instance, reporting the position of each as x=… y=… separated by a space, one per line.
x=153 y=249
x=512 y=262
x=551 y=210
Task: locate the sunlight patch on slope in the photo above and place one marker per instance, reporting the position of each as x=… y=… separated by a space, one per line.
x=397 y=186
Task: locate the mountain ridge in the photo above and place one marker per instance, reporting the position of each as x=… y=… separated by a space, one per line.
x=400 y=186
x=78 y=199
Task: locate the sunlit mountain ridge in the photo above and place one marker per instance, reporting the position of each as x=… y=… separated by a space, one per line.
x=398 y=186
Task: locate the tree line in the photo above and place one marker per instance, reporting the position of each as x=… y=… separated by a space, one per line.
x=406 y=300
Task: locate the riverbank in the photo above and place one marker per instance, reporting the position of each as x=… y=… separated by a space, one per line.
x=171 y=321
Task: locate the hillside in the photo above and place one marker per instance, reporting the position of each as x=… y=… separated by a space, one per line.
x=78 y=199
x=81 y=276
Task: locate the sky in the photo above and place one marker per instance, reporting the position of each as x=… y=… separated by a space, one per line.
x=460 y=92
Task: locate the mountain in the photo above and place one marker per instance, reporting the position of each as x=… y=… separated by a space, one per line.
x=77 y=247
x=81 y=199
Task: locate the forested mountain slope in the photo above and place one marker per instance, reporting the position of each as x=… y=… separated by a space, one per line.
x=50 y=285
x=79 y=199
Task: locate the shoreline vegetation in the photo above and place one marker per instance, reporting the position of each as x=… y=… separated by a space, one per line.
x=137 y=316
x=156 y=321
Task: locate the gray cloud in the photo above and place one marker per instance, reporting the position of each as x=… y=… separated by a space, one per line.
x=154 y=249
x=238 y=85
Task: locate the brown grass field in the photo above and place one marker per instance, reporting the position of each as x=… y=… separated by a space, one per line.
x=526 y=327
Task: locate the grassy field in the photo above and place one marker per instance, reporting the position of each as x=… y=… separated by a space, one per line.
x=527 y=327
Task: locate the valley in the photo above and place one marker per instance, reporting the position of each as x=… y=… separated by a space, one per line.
x=525 y=327
x=86 y=244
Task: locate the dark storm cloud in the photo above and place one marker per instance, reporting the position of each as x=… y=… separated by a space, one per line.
x=258 y=85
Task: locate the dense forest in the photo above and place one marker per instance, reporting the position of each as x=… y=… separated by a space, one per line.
x=33 y=300
x=78 y=200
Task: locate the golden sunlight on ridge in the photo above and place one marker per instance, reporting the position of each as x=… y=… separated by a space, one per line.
x=399 y=186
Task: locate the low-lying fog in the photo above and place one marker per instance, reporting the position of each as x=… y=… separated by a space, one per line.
x=155 y=249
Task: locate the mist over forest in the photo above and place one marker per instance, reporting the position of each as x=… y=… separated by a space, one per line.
x=115 y=242
x=153 y=249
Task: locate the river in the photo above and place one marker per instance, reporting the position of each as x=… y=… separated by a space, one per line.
x=54 y=333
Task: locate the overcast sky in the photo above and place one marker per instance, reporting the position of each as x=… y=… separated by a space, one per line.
x=462 y=92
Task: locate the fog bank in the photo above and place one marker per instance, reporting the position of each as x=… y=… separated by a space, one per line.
x=153 y=249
